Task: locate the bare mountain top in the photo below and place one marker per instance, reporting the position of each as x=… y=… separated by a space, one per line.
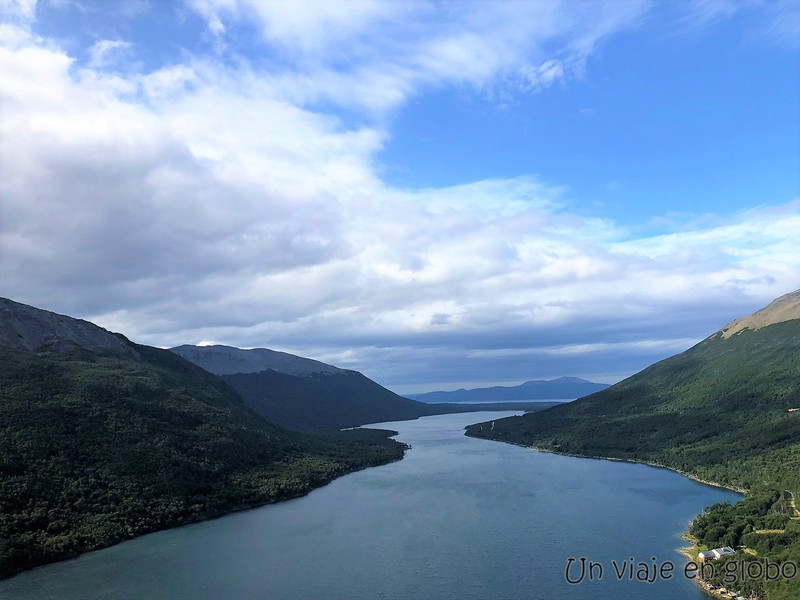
x=785 y=308
x=32 y=329
x=226 y=360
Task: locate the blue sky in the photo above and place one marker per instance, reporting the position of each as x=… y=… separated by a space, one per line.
x=439 y=194
x=658 y=122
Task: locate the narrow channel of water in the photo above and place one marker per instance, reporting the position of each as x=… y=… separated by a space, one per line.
x=457 y=518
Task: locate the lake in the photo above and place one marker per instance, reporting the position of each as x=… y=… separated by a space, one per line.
x=456 y=518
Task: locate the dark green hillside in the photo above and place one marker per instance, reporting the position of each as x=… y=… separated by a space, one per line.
x=97 y=448
x=719 y=411
x=712 y=410
x=322 y=401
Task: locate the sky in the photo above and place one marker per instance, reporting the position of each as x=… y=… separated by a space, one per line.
x=438 y=194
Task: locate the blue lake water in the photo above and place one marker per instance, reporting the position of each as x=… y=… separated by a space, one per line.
x=457 y=518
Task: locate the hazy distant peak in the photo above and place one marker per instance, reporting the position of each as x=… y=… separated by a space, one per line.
x=785 y=308
x=567 y=388
x=228 y=360
x=32 y=329
x=557 y=380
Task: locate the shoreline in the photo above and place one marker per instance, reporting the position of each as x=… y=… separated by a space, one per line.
x=294 y=494
x=730 y=487
x=688 y=552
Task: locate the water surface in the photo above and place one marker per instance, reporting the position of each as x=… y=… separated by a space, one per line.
x=457 y=518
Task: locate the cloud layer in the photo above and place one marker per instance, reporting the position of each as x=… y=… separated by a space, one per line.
x=211 y=200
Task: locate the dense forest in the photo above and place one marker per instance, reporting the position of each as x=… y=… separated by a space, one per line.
x=721 y=411
x=96 y=448
x=764 y=526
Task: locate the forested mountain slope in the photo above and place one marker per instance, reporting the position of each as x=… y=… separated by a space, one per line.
x=726 y=410
x=102 y=439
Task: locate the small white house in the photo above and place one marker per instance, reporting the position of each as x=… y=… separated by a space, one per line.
x=715 y=554
x=725 y=551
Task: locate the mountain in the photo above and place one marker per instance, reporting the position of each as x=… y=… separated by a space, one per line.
x=566 y=388
x=102 y=439
x=307 y=395
x=225 y=360
x=727 y=398
x=301 y=393
x=785 y=308
x=726 y=410
x=30 y=329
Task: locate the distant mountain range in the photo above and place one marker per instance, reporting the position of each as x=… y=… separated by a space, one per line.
x=307 y=395
x=563 y=388
x=726 y=410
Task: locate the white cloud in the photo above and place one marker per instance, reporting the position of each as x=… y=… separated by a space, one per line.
x=705 y=11
x=375 y=54
x=24 y=10
x=211 y=11
x=200 y=202
x=783 y=23
x=105 y=52
x=774 y=21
